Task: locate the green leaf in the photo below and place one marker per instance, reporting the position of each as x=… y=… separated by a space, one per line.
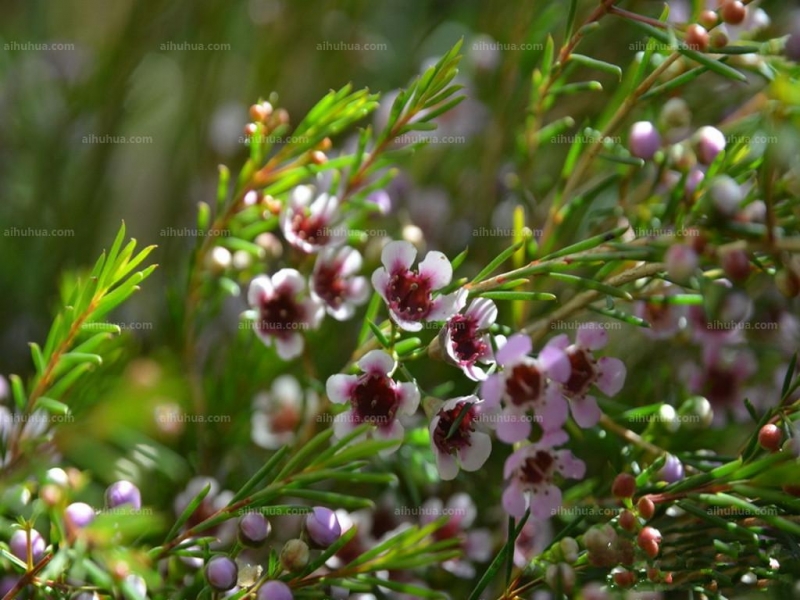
x=510 y=295
x=18 y=391
x=592 y=285
x=372 y=312
x=587 y=244
x=261 y=475
x=38 y=359
x=499 y=260
x=379 y=335
x=491 y=573
x=54 y=407
x=619 y=315
x=787 y=379
x=573 y=7
x=100 y=327
x=188 y=511
x=60 y=388
x=599 y=65
x=623 y=160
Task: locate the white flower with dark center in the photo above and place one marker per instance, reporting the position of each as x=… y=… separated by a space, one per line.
x=333 y=283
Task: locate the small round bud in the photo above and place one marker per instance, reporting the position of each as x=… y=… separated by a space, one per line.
x=681 y=262
x=788 y=283
x=675 y=114
x=218 y=259
x=560 y=576
x=733 y=12
x=719 y=37
x=644 y=140
x=623 y=577
x=137 y=583
x=726 y=195
x=51 y=494
x=648 y=535
x=708 y=19
x=250 y=129
x=322 y=526
x=254 y=530
x=624 y=485
x=693 y=179
x=770 y=437
x=709 y=142
x=699 y=408
x=736 y=264
x=569 y=549
x=672 y=470
x=646 y=508
x=123 y=492
x=318 y=158
x=627 y=521
x=274 y=590
x=57 y=476
x=221 y=573
x=257 y=113
x=78 y=515
x=697 y=37
x=18 y=544
x=294 y=555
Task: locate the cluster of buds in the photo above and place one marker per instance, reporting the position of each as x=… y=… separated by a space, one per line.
x=265 y=119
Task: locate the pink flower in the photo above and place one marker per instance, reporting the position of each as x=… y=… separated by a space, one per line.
x=528 y=388
x=607 y=374
x=409 y=294
x=721 y=381
x=333 y=284
x=374 y=397
x=531 y=471
x=465 y=340
x=278 y=414
x=280 y=312
x=467 y=447
x=306 y=221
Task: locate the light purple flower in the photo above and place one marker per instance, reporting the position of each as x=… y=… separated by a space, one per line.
x=278 y=413
x=721 y=381
x=531 y=472
x=374 y=397
x=607 y=374
x=465 y=340
x=528 y=388
x=333 y=284
x=307 y=221
x=409 y=294
x=281 y=311
x=467 y=447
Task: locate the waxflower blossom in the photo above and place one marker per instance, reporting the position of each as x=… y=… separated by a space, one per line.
x=465 y=340
x=466 y=447
x=307 y=221
x=607 y=374
x=333 y=284
x=531 y=472
x=527 y=385
x=277 y=414
x=374 y=397
x=281 y=312
x=409 y=294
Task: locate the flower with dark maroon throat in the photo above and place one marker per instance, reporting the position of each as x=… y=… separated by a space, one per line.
x=607 y=374
x=374 y=397
x=466 y=341
x=457 y=439
x=307 y=222
x=333 y=284
x=409 y=294
x=528 y=389
x=531 y=472
x=280 y=311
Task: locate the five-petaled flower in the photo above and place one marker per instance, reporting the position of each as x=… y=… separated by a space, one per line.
x=333 y=284
x=375 y=398
x=531 y=472
x=465 y=339
x=409 y=294
x=528 y=388
x=307 y=221
x=281 y=311
x=457 y=439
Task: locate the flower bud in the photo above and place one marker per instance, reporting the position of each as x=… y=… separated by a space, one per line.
x=733 y=12
x=78 y=515
x=787 y=282
x=294 y=555
x=708 y=142
x=719 y=37
x=675 y=114
x=672 y=470
x=569 y=549
x=623 y=577
x=700 y=408
x=726 y=195
x=697 y=37
x=681 y=261
x=644 y=140
x=123 y=492
x=18 y=544
x=648 y=540
x=770 y=437
x=560 y=576
x=627 y=521
x=736 y=264
x=274 y=590
x=57 y=477
x=254 y=529
x=708 y=19
x=646 y=508
x=693 y=179
x=221 y=573
x=322 y=526
x=624 y=485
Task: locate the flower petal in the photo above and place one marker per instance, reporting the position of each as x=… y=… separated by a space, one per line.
x=513 y=462
x=404 y=323
x=545 y=502
x=446 y=465
x=555 y=363
x=377 y=362
x=398 y=256
x=289 y=280
x=517 y=346
x=289 y=347
x=380 y=281
x=260 y=289
x=358 y=290
x=343 y=424
x=340 y=388
x=555 y=410
x=514 y=502
x=492 y=390
x=569 y=466
x=436 y=268
x=474 y=456
x=513 y=428
x=409 y=398
x=314 y=312
x=351 y=261
x=585 y=411
x=612 y=375
x=591 y=336
x=444 y=307
x=483 y=311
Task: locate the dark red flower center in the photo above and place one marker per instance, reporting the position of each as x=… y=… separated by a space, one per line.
x=461 y=434
x=310 y=228
x=536 y=468
x=329 y=285
x=524 y=384
x=409 y=294
x=279 y=314
x=720 y=386
x=375 y=401
x=583 y=372
x=466 y=344
x=284 y=418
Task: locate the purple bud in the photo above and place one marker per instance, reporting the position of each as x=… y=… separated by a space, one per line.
x=19 y=545
x=253 y=529
x=681 y=262
x=709 y=143
x=693 y=179
x=78 y=515
x=123 y=492
x=221 y=573
x=644 y=141
x=274 y=590
x=672 y=470
x=382 y=200
x=726 y=195
x=323 y=526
